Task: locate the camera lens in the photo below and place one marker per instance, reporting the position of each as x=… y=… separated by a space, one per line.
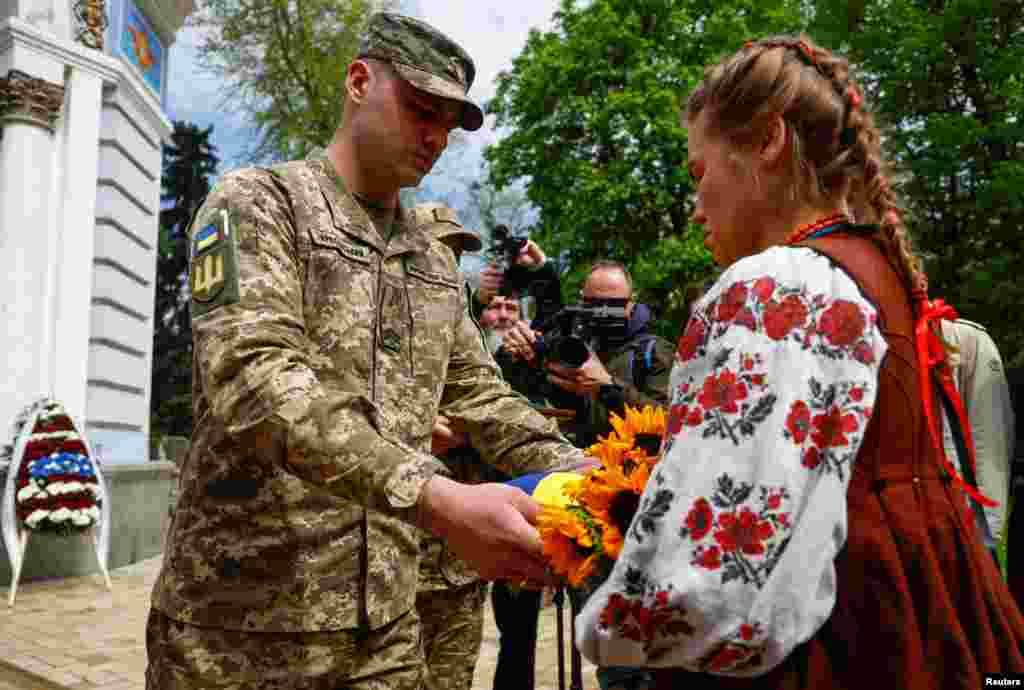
x=572 y=352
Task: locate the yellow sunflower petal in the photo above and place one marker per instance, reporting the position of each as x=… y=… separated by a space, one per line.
x=612 y=540
x=582 y=571
x=563 y=554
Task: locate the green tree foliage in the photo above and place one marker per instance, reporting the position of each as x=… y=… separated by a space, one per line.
x=284 y=64
x=188 y=163
x=946 y=76
x=591 y=111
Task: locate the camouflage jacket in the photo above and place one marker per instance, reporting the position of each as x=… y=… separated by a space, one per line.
x=322 y=355
x=440 y=569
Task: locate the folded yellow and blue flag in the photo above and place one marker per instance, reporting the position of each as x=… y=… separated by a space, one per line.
x=547 y=488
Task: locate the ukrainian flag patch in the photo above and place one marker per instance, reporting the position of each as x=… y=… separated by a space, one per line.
x=213 y=273
x=210 y=236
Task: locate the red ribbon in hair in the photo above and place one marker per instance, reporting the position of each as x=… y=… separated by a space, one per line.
x=931 y=353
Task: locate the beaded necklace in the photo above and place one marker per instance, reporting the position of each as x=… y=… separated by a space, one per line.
x=818 y=228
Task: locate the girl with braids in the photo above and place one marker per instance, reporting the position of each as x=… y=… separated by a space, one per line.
x=804 y=527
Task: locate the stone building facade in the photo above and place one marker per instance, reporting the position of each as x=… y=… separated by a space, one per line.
x=82 y=122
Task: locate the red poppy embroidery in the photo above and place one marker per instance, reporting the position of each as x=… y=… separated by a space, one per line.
x=831 y=328
x=747 y=536
x=676 y=417
x=744 y=532
x=708 y=557
x=644 y=612
x=727 y=657
x=699 y=520
x=827 y=419
x=830 y=429
x=742 y=651
x=691 y=340
x=842 y=323
x=863 y=354
x=780 y=318
x=798 y=422
x=731 y=303
x=722 y=391
x=763 y=289
x=729 y=403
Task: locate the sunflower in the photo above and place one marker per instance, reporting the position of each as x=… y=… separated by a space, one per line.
x=568 y=541
x=650 y=421
x=610 y=451
x=635 y=439
x=566 y=522
x=584 y=529
x=599 y=491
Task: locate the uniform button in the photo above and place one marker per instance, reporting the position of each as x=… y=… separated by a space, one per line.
x=391 y=340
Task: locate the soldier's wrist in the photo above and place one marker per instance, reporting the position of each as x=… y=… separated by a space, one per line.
x=429 y=507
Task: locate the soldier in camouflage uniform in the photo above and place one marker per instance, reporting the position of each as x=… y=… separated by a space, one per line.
x=328 y=333
x=450 y=600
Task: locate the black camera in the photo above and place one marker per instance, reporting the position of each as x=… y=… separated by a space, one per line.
x=570 y=335
x=505 y=249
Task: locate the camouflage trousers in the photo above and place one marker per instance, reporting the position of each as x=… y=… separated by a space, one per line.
x=452 y=628
x=183 y=656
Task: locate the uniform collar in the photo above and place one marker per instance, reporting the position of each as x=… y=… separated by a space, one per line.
x=350 y=218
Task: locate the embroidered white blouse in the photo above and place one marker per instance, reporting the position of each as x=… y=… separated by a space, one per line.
x=728 y=564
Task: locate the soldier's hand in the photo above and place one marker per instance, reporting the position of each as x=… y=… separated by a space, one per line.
x=490 y=526
x=444 y=437
x=531 y=256
x=491 y=280
x=519 y=340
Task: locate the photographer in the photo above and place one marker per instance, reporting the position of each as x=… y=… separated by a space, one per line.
x=518 y=269
x=626 y=365
x=623 y=363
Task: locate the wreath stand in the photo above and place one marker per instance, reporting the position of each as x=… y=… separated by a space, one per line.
x=15 y=535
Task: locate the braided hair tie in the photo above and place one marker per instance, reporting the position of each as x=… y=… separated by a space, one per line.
x=850 y=96
x=848 y=136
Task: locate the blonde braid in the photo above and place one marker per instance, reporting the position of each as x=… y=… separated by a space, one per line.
x=855 y=156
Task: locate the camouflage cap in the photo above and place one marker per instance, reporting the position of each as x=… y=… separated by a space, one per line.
x=442 y=224
x=425 y=58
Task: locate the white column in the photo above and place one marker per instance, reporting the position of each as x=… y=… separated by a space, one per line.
x=77 y=157
x=26 y=186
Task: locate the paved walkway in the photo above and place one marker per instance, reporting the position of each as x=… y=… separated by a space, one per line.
x=73 y=633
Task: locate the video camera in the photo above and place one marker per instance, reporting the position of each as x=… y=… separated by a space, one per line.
x=505 y=249
x=570 y=335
